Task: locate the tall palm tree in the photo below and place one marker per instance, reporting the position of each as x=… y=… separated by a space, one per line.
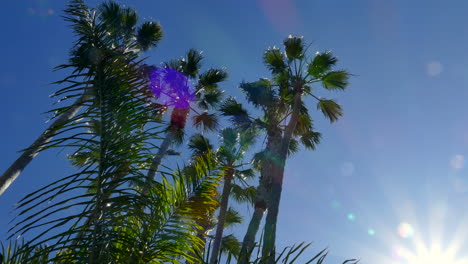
x=228 y=155
x=229 y=158
x=206 y=93
x=117 y=33
x=93 y=215
x=287 y=123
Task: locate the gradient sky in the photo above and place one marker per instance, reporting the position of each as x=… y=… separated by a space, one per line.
x=396 y=158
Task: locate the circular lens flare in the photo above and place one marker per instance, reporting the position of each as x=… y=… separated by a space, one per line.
x=405 y=230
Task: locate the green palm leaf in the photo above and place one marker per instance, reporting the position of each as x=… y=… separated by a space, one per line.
x=149 y=35
x=294 y=47
x=206 y=121
x=209 y=79
x=273 y=58
x=192 y=65
x=321 y=64
x=310 y=140
x=199 y=145
x=335 y=80
x=259 y=93
x=330 y=109
x=239 y=116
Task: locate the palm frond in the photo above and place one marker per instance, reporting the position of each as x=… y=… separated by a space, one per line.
x=310 y=140
x=192 y=65
x=232 y=217
x=239 y=116
x=206 y=121
x=330 y=109
x=293 y=147
x=321 y=64
x=149 y=35
x=274 y=60
x=294 y=47
x=335 y=80
x=200 y=145
x=209 y=79
x=243 y=195
x=210 y=98
x=259 y=93
x=230 y=245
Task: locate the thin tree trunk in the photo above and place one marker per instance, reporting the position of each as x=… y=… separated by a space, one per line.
x=222 y=217
x=269 y=237
x=261 y=200
x=274 y=196
x=177 y=123
x=10 y=175
x=249 y=239
x=160 y=155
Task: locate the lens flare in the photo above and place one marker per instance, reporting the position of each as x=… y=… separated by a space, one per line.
x=405 y=230
x=351 y=217
x=335 y=204
x=171 y=87
x=457 y=161
x=433 y=68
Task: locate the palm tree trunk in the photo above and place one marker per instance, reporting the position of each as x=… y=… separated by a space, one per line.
x=269 y=237
x=160 y=155
x=222 y=216
x=10 y=175
x=261 y=201
x=249 y=239
x=177 y=123
x=274 y=196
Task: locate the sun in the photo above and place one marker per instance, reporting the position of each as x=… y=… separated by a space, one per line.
x=433 y=255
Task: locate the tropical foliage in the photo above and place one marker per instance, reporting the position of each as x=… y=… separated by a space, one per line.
x=286 y=122
x=113 y=209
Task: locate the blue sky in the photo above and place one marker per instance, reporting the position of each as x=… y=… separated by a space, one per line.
x=397 y=156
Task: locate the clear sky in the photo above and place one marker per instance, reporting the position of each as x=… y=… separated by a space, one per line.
x=388 y=180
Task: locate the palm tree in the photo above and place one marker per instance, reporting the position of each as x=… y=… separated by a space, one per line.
x=229 y=158
x=228 y=155
x=93 y=215
x=206 y=93
x=112 y=141
x=117 y=33
x=287 y=123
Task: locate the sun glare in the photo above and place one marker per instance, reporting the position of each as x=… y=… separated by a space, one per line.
x=433 y=255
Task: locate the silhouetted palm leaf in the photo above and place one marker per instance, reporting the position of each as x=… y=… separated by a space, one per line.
x=330 y=109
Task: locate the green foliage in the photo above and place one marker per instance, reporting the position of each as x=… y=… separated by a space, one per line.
x=294 y=47
x=232 y=217
x=321 y=64
x=206 y=121
x=199 y=145
x=192 y=65
x=310 y=140
x=242 y=195
x=238 y=114
x=149 y=34
x=230 y=246
x=330 y=109
x=259 y=93
x=209 y=79
x=273 y=58
x=295 y=253
x=108 y=211
x=335 y=80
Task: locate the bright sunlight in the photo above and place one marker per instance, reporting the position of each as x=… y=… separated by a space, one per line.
x=433 y=255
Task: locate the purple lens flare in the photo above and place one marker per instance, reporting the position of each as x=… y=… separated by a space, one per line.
x=172 y=88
